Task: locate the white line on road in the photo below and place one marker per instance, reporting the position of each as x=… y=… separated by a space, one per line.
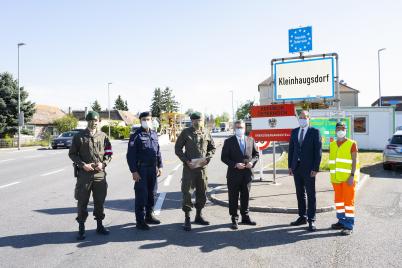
x=6 y=160
x=177 y=167
x=167 y=180
x=10 y=184
x=159 y=203
x=52 y=172
x=33 y=156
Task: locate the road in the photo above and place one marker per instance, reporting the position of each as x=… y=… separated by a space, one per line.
x=38 y=227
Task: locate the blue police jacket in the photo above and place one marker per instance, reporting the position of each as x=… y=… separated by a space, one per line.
x=143 y=149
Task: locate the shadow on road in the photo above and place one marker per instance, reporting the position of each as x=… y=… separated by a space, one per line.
x=207 y=239
x=377 y=171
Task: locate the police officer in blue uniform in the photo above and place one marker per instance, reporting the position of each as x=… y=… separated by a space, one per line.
x=145 y=163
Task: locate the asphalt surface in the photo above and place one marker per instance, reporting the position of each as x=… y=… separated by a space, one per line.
x=37 y=227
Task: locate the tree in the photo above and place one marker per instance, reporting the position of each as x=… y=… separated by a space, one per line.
x=66 y=123
x=224 y=117
x=156 y=105
x=243 y=111
x=169 y=104
x=120 y=104
x=96 y=106
x=9 y=104
x=189 y=111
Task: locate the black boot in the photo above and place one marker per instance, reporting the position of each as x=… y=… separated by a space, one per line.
x=199 y=219
x=150 y=218
x=141 y=225
x=235 y=224
x=100 y=229
x=187 y=223
x=81 y=231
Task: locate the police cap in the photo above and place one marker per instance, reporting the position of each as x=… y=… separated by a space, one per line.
x=145 y=114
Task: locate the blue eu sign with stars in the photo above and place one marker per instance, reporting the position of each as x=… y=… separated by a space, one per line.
x=300 y=39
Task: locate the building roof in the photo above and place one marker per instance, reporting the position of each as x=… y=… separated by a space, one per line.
x=390 y=100
x=116 y=115
x=46 y=114
x=266 y=82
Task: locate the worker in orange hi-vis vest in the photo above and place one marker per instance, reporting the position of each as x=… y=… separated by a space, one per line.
x=345 y=172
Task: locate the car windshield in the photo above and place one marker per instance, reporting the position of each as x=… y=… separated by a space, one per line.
x=396 y=139
x=68 y=134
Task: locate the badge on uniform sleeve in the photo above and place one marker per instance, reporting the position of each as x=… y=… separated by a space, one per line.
x=131 y=143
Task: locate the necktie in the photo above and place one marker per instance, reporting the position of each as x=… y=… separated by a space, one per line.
x=301 y=136
x=242 y=146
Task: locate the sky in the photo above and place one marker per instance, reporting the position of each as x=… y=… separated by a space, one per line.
x=202 y=50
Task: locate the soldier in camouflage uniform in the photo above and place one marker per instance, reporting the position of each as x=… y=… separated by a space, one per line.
x=198 y=143
x=90 y=151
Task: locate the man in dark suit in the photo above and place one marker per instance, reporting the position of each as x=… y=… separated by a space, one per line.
x=240 y=154
x=304 y=163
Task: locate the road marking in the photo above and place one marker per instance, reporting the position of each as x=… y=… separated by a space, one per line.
x=159 y=203
x=6 y=160
x=10 y=184
x=33 y=156
x=52 y=172
x=177 y=167
x=169 y=177
x=167 y=180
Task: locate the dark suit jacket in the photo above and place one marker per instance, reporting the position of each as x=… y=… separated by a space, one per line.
x=309 y=152
x=231 y=155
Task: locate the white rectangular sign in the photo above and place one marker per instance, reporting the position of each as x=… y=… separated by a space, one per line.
x=304 y=79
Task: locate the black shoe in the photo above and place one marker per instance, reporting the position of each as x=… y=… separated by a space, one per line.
x=247 y=221
x=234 y=225
x=199 y=219
x=187 y=224
x=150 y=219
x=337 y=226
x=81 y=231
x=311 y=227
x=100 y=229
x=299 y=221
x=142 y=226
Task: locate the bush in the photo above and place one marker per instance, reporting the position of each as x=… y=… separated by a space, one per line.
x=66 y=123
x=117 y=132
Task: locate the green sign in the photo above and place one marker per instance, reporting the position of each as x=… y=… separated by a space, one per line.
x=327 y=127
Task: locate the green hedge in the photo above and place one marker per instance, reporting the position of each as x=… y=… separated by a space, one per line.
x=117 y=132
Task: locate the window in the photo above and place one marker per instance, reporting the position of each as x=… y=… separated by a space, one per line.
x=360 y=124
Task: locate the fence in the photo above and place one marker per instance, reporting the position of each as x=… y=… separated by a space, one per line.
x=25 y=141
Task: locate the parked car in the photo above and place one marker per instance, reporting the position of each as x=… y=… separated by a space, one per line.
x=64 y=140
x=393 y=151
x=398 y=128
x=215 y=130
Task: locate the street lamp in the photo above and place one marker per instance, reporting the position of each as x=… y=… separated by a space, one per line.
x=233 y=114
x=379 y=78
x=19 y=96
x=108 y=102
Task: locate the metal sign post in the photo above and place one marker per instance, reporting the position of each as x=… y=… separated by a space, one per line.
x=274 y=162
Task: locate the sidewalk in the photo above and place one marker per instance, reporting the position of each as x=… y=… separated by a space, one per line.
x=265 y=196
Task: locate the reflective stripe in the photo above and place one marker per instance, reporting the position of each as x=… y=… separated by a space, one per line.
x=339 y=204
x=331 y=162
x=340 y=211
x=348 y=161
x=349 y=208
x=332 y=171
x=350 y=215
x=343 y=170
x=108 y=151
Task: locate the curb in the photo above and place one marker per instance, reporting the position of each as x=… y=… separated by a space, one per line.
x=215 y=200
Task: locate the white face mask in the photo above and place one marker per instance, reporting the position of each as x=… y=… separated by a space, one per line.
x=341 y=134
x=303 y=122
x=146 y=124
x=239 y=132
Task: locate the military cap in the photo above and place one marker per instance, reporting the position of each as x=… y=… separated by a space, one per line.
x=145 y=114
x=92 y=115
x=195 y=115
x=340 y=124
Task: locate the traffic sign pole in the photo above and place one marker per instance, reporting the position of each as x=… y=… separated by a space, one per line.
x=274 y=162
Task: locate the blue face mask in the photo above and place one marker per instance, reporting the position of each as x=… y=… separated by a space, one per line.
x=303 y=122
